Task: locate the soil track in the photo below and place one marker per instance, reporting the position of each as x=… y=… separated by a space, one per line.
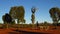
x=29 y=31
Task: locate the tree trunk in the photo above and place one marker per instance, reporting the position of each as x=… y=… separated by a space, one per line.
x=6 y=25
x=18 y=24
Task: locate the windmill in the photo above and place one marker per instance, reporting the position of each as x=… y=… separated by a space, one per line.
x=33 y=10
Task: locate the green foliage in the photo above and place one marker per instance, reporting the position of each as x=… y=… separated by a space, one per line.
x=24 y=21
x=18 y=13
x=3 y=18
x=6 y=18
x=37 y=23
x=12 y=12
x=13 y=22
x=54 y=13
x=33 y=17
x=45 y=22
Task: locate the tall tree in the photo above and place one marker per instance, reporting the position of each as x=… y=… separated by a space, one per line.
x=54 y=14
x=12 y=12
x=7 y=19
x=18 y=13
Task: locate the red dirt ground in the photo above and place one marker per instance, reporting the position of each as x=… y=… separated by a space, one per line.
x=29 y=31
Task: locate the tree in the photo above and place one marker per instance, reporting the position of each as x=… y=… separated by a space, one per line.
x=3 y=18
x=12 y=12
x=7 y=19
x=13 y=22
x=18 y=13
x=54 y=14
x=45 y=22
x=32 y=18
x=24 y=21
x=37 y=23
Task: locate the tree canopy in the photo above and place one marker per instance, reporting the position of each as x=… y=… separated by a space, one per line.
x=55 y=13
x=17 y=12
x=7 y=18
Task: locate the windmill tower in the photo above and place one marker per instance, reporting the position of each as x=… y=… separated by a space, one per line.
x=33 y=10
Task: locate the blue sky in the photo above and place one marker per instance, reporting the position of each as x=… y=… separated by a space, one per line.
x=42 y=12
